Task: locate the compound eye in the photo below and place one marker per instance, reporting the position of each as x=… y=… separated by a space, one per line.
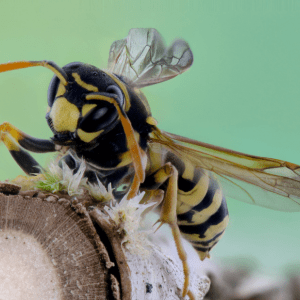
x=98 y=118
x=52 y=90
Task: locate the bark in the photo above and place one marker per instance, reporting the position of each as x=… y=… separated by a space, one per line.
x=53 y=247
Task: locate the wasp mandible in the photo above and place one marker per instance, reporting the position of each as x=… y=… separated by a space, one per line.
x=101 y=116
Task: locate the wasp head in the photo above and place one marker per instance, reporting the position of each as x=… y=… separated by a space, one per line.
x=72 y=118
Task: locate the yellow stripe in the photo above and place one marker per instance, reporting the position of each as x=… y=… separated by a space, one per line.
x=125 y=158
x=210 y=233
x=83 y=84
x=86 y=108
x=12 y=130
x=202 y=216
x=10 y=144
x=88 y=136
x=186 y=201
x=100 y=97
x=188 y=171
x=123 y=88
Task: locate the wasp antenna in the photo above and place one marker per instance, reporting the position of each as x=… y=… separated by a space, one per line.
x=129 y=132
x=59 y=72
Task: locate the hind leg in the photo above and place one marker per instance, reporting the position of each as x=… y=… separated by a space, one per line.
x=168 y=175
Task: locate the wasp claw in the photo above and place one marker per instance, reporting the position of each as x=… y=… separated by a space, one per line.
x=161 y=224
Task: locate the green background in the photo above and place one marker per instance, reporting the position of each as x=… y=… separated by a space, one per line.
x=242 y=91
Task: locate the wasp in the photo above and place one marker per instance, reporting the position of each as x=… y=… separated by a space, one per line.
x=101 y=116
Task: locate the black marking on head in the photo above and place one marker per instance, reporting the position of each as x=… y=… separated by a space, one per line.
x=52 y=90
x=89 y=74
x=103 y=116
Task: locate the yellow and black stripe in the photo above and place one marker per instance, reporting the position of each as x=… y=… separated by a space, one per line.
x=202 y=212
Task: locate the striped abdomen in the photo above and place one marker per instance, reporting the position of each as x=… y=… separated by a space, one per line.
x=201 y=207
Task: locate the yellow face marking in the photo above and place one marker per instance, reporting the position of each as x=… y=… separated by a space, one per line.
x=83 y=84
x=64 y=115
x=61 y=90
x=48 y=109
x=123 y=88
x=88 y=136
x=86 y=108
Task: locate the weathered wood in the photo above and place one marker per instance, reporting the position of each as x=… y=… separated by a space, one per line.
x=54 y=248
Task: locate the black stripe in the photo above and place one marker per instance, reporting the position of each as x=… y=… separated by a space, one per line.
x=206 y=243
x=176 y=162
x=205 y=202
x=188 y=216
x=208 y=198
x=215 y=219
x=202 y=249
x=187 y=185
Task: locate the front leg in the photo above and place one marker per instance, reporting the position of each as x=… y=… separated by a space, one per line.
x=15 y=140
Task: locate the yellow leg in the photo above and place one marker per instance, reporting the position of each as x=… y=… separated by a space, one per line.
x=169 y=216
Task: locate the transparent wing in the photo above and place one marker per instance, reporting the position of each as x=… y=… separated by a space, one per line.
x=257 y=180
x=143 y=59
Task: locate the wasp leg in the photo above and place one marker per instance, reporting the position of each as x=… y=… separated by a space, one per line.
x=15 y=140
x=168 y=213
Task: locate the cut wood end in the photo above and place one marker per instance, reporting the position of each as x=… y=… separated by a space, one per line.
x=74 y=252
x=26 y=270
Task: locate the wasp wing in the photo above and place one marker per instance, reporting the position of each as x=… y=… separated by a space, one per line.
x=143 y=59
x=257 y=180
